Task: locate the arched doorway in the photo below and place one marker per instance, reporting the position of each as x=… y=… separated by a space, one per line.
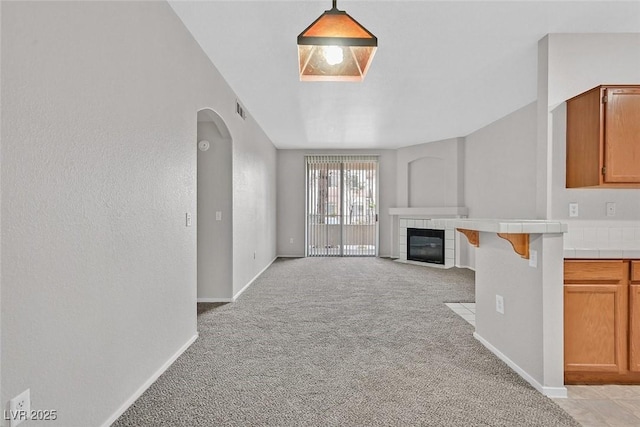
x=215 y=208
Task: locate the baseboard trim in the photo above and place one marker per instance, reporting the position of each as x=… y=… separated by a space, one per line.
x=235 y=297
x=547 y=391
x=215 y=300
x=467 y=267
x=289 y=256
x=148 y=382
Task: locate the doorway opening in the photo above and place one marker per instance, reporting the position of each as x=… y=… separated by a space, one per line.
x=342 y=206
x=215 y=209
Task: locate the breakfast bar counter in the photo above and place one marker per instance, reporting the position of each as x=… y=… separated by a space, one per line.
x=519 y=295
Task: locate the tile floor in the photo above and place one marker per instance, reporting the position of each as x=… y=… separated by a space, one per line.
x=590 y=405
x=466 y=310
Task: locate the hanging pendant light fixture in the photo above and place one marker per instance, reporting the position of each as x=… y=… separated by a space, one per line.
x=335 y=47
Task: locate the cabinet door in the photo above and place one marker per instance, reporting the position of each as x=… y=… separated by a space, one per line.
x=634 y=317
x=584 y=121
x=635 y=272
x=634 y=328
x=595 y=327
x=622 y=135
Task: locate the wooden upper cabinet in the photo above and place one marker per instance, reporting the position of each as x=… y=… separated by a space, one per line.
x=603 y=137
x=622 y=135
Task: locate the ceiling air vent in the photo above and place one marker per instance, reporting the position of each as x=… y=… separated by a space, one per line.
x=240 y=110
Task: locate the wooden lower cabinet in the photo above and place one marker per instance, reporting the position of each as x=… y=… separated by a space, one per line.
x=595 y=319
x=601 y=322
x=634 y=328
x=634 y=317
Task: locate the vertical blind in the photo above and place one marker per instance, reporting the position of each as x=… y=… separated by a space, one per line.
x=342 y=210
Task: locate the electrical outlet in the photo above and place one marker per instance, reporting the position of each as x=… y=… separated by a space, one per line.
x=19 y=408
x=533 y=259
x=188 y=219
x=291 y=240
x=611 y=209
x=499 y=304
x=573 y=209
x=218 y=215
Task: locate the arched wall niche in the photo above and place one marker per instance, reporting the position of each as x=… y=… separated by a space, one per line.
x=426 y=183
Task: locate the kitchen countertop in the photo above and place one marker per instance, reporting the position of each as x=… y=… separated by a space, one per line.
x=601 y=253
x=612 y=250
x=511 y=226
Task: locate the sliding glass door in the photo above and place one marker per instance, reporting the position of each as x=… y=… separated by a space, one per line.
x=342 y=209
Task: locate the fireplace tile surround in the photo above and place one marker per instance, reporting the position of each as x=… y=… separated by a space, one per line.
x=434 y=224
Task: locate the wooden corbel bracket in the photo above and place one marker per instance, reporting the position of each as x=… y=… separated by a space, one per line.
x=473 y=236
x=519 y=241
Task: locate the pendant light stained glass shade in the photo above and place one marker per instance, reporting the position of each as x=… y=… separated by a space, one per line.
x=335 y=47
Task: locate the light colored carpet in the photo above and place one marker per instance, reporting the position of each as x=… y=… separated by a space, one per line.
x=342 y=342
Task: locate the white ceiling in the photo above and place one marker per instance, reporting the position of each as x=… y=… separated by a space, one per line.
x=443 y=69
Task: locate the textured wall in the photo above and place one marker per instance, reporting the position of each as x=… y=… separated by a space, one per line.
x=500 y=167
x=1 y=46
x=99 y=103
x=529 y=333
x=517 y=332
x=426 y=187
x=448 y=154
x=579 y=62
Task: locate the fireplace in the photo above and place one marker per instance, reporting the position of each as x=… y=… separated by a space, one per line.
x=425 y=245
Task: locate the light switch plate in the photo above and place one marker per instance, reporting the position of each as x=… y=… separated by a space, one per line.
x=500 y=304
x=533 y=259
x=19 y=408
x=218 y=216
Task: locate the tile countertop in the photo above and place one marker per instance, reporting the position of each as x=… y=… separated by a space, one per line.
x=511 y=226
x=611 y=240
x=602 y=239
x=611 y=249
x=601 y=253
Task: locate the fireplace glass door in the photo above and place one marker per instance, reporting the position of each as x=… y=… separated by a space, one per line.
x=425 y=245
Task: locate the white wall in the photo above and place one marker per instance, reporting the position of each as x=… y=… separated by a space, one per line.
x=254 y=203
x=99 y=103
x=215 y=238
x=502 y=272
x=543 y=148
x=528 y=336
x=500 y=167
x=425 y=182
x=1 y=150
x=576 y=63
x=431 y=171
x=291 y=197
